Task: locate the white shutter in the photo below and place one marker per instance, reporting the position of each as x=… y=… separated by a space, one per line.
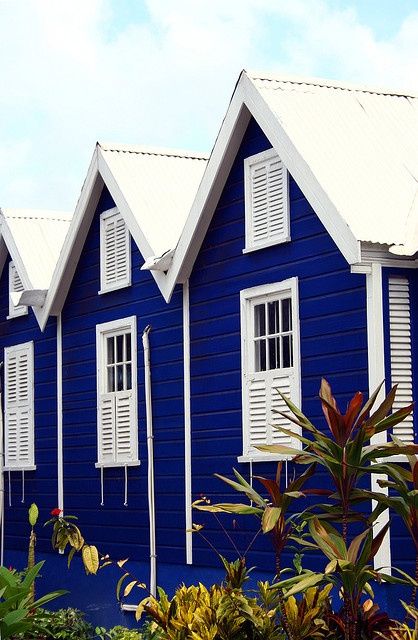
x=106 y=431
x=262 y=403
x=115 y=251
x=266 y=200
x=19 y=427
x=401 y=352
x=125 y=415
x=15 y=286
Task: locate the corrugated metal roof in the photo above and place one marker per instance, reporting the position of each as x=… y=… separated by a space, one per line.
x=38 y=237
x=361 y=144
x=159 y=186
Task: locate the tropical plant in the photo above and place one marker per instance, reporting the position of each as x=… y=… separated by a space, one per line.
x=17 y=606
x=347 y=455
x=210 y=614
x=33 y=514
x=67 y=533
x=273 y=513
x=307 y=618
x=122 y=633
x=350 y=570
x=63 y=624
x=403 y=499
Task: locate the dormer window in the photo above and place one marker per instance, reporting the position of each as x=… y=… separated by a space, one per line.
x=115 y=252
x=15 y=286
x=266 y=201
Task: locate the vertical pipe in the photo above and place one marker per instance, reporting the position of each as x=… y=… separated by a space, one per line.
x=150 y=450
x=187 y=423
x=376 y=363
x=60 y=461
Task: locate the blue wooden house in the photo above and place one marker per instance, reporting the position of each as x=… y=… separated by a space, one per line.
x=296 y=261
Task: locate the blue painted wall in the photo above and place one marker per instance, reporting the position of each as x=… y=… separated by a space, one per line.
x=115 y=529
x=333 y=339
x=40 y=486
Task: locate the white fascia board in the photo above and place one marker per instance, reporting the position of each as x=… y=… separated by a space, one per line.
x=124 y=208
x=247 y=102
x=73 y=244
x=216 y=173
x=302 y=174
x=3 y=252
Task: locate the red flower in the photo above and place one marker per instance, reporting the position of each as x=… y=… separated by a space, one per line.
x=56 y=512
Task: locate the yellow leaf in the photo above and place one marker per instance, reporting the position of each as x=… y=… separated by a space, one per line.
x=90 y=558
x=129 y=588
x=120 y=563
x=33 y=514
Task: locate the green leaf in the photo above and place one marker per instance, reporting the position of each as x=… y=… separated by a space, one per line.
x=119 y=584
x=33 y=514
x=230 y=507
x=270 y=518
x=305 y=583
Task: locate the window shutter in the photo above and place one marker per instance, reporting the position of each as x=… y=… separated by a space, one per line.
x=106 y=428
x=263 y=402
x=19 y=428
x=115 y=257
x=266 y=200
x=125 y=445
x=15 y=285
x=401 y=352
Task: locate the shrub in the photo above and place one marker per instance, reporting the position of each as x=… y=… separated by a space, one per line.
x=122 y=633
x=64 y=624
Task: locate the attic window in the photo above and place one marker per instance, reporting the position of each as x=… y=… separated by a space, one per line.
x=15 y=286
x=266 y=201
x=115 y=252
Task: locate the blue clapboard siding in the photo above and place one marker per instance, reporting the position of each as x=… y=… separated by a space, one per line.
x=403 y=551
x=116 y=529
x=40 y=486
x=333 y=338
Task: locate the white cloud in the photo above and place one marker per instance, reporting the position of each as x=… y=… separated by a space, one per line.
x=69 y=79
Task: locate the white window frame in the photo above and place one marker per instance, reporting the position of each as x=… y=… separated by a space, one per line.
x=20 y=310
x=126 y=282
x=8 y=352
x=248 y=299
x=250 y=245
x=104 y=331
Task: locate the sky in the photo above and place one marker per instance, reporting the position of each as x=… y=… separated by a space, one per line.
x=162 y=72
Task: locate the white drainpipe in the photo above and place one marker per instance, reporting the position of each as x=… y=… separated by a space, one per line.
x=60 y=461
x=150 y=450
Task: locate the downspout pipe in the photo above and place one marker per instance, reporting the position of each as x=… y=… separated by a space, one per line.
x=60 y=461
x=150 y=451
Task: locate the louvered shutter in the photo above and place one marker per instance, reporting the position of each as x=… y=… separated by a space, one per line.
x=262 y=402
x=125 y=444
x=15 y=285
x=115 y=252
x=107 y=428
x=266 y=200
x=19 y=428
x=401 y=352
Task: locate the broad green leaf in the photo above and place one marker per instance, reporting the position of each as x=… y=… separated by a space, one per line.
x=33 y=514
x=270 y=518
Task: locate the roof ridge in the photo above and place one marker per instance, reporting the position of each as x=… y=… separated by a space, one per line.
x=152 y=151
x=328 y=83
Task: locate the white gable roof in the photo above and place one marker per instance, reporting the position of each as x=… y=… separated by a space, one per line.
x=158 y=185
x=352 y=150
x=361 y=144
x=152 y=188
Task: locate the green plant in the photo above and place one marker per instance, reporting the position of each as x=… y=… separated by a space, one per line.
x=347 y=455
x=307 y=617
x=17 y=606
x=273 y=513
x=64 y=624
x=33 y=514
x=66 y=533
x=122 y=633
